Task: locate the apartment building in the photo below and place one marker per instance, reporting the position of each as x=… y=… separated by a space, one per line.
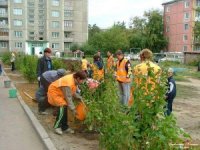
x=32 y=25
x=179 y=20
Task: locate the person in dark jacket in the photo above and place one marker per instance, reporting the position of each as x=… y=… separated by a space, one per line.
x=44 y=63
x=46 y=79
x=171 y=93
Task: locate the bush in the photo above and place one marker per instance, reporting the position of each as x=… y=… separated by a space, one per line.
x=6 y=58
x=140 y=127
x=28 y=68
x=58 y=63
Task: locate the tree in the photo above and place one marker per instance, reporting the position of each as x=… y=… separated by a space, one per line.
x=93 y=29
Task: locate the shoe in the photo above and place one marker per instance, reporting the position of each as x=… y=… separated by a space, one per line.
x=43 y=113
x=58 y=131
x=69 y=130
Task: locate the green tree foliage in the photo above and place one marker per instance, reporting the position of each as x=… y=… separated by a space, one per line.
x=147 y=32
x=93 y=29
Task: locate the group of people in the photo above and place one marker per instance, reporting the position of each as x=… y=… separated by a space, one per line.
x=125 y=75
x=58 y=88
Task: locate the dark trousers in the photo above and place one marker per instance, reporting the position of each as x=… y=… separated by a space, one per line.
x=61 y=119
x=12 y=66
x=42 y=105
x=169 y=106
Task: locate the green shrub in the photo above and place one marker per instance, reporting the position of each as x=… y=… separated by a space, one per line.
x=140 y=127
x=58 y=63
x=28 y=68
x=6 y=58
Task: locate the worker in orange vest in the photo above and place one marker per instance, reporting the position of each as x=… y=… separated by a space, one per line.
x=84 y=65
x=123 y=76
x=60 y=94
x=97 y=69
x=110 y=62
x=142 y=69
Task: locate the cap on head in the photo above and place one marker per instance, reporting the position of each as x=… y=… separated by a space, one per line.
x=47 y=50
x=61 y=72
x=119 y=52
x=171 y=70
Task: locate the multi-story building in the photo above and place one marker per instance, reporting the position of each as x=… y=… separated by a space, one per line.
x=32 y=25
x=179 y=21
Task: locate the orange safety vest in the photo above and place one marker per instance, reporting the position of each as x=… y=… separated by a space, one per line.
x=55 y=94
x=110 y=63
x=84 y=64
x=97 y=73
x=121 y=72
x=142 y=69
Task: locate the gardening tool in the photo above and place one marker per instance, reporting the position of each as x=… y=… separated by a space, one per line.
x=29 y=96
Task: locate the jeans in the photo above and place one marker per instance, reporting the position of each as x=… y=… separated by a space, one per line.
x=169 y=106
x=12 y=66
x=124 y=92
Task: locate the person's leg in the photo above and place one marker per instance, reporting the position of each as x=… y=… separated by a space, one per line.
x=64 y=121
x=126 y=93
x=45 y=84
x=169 y=106
x=120 y=92
x=12 y=66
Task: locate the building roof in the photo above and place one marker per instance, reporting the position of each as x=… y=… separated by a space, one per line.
x=170 y=2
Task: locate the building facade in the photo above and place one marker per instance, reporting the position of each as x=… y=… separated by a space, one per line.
x=31 y=25
x=179 y=21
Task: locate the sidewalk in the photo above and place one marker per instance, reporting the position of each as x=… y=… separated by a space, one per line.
x=16 y=131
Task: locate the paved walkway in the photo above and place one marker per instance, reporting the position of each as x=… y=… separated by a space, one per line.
x=16 y=131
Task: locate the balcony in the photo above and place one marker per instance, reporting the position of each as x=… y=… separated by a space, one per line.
x=3 y=3
x=5 y=26
x=68 y=28
x=4 y=38
x=68 y=39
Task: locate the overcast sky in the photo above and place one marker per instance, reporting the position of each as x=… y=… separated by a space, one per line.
x=105 y=12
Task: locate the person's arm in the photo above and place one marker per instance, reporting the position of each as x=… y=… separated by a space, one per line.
x=39 y=69
x=128 y=69
x=68 y=97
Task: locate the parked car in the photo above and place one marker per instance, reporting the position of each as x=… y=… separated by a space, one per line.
x=157 y=57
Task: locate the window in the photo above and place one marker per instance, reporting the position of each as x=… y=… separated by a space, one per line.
x=55 y=34
x=55 y=2
x=186 y=15
x=40 y=23
x=186 y=26
x=167 y=9
x=55 y=24
x=3 y=11
x=185 y=37
x=41 y=33
x=68 y=24
x=17 y=11
x=18 y=33
x=184 y=48
x=67 y=45
x=167 y=29
x=30 y=4
x=3 y=44
x=197 y=3
x=55 y=45
x=31 y=33
x=18 y=44
x=68 y=5
x=167 y=18
x=67 y=34
x=17 y=1
x=55 y=13
x=187 y=4
x=68 y=13
x=41 y=11
x=17 y=23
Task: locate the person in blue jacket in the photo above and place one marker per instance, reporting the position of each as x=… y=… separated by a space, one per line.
x=171 y=92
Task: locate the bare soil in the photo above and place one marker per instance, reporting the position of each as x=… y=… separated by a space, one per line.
x=186 y=109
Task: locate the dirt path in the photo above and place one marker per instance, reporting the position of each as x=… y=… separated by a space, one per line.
x=187 y=107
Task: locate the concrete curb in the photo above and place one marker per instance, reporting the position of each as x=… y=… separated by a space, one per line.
x=34 y=121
